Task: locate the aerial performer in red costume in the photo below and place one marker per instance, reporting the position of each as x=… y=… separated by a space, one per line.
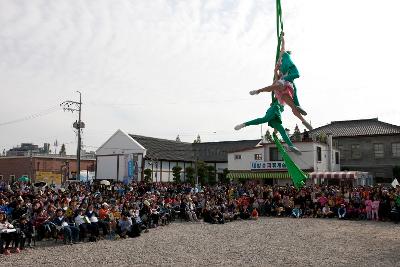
x=283 y=88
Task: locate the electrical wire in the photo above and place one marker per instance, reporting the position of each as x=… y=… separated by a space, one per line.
x=33 y=116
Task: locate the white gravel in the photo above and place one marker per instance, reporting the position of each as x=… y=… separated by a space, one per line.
x=266 y=242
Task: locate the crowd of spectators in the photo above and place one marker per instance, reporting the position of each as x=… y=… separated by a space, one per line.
x=80 y=212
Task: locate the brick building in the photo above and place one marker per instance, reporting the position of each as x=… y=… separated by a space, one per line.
x=47 y=167
x=366 y=145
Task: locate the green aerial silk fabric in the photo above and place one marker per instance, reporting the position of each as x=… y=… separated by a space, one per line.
x=298 y=176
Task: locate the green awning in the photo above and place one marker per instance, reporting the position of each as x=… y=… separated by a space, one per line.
x=258 y=175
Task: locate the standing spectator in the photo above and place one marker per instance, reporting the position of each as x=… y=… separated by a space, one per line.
x=368 y=208
x=375 y=209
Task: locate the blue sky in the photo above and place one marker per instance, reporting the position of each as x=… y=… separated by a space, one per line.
x=162 y=68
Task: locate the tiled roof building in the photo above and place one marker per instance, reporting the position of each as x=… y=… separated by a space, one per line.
x=366 y=127
x=366 y=145
x=164 y=149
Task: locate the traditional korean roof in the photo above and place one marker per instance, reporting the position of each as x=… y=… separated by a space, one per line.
x=164 y=149
x=365 y=127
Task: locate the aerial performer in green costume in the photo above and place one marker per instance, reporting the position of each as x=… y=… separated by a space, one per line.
x=283 y=89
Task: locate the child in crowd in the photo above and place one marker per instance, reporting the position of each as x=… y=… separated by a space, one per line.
x=375 y=209
x=254 y=214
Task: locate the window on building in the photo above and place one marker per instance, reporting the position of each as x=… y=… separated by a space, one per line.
x=396 y=150
x=12 y=178
x=378 y=151
x=1 y=177
x=355 y=151
x=319 y=153
x=336 y=157
x=257 y=157
x=341 y=150
x=380 y=178
x=237 y=156
x=274 y=154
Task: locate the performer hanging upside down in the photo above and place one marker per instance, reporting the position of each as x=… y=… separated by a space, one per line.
x=274 y=119
x=283 y=86
x=289 y=72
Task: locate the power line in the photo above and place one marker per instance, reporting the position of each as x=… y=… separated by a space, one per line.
x=33 y=116
x=170 y=103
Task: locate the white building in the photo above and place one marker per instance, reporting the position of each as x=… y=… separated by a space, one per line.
x=265 y=162
x=125 y=156
x=119 y=158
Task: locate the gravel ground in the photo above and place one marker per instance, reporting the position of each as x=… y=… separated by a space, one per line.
x=266 y=242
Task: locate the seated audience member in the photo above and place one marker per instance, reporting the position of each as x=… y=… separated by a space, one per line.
x=124 y=225
x=83 y=222
x=296 y=212
x=70 y=232
x=8 y=233
x=217 y=216
x=94 y=221
x=326 y=212
x=254 y=214
x=25 y=232
x=342 y=211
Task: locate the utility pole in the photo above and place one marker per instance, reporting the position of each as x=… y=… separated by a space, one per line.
x=78 y=125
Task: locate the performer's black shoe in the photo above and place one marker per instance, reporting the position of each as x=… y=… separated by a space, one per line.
x=301 y=110
x=240 y=126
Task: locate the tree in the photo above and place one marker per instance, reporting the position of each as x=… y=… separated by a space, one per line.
x=297 y=134
x=322 y=138
x=197 y=140
x=190 y=172
x=176 y=172
x=178 y=139
x=147 y=175
x=224 y=176
x=202 y=172
x=62 y=150
x=211 y=175
x=268 y=136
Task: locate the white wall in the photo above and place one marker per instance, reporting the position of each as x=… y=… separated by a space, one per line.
x=247 y=156
x=120 y=143
x=306 y=161
x=106 y=167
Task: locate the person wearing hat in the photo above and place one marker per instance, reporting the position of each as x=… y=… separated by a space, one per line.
x=71 y=233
